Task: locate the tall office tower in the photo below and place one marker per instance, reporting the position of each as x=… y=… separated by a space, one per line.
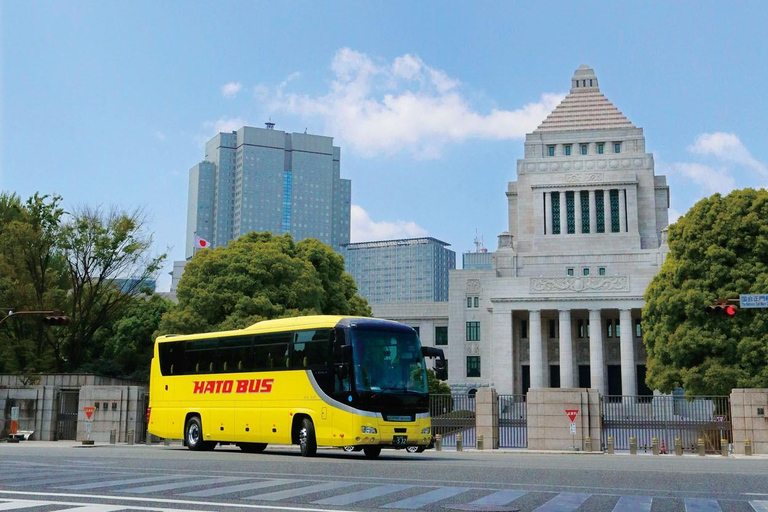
x=408 y=270
x=262 y=179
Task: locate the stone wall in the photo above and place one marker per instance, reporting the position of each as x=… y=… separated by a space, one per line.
x=119 y=408
x=749 y=417
x=549 y=425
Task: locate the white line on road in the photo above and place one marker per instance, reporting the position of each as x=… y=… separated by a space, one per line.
x=697 y=505
x=759 y=506
x=216 y=505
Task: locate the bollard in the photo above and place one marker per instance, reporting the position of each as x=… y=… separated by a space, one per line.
x=459 y=443
x=678 y=446
x=633 y=446
x=148 y=439
x=655 y=446
x=587 y=444
x=130 y=436
x=747 y=447
x=112 y=436
x=724 y=447
x=438 y=443
x=610 y=444
x=480 y=442
x=702 y=451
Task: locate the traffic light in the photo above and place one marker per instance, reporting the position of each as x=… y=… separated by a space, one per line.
x=722 y=309
x=56 y=320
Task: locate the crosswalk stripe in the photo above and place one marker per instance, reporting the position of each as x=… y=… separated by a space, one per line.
x=759 y=506
x=20 y=504
x=192 y=482
x=301 y=491
x=633 y=504
x=251 y=486
x=127 y=481
x=97 y=508
x=499 y=498
x=11 y=475
x=564 y=502
x=701 y=505
x=366 y=494
x=58 y=480
x=427 y=498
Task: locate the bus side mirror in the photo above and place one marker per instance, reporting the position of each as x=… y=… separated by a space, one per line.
x=441 y=365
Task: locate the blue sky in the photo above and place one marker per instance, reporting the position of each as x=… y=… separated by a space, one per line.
x=110 y=103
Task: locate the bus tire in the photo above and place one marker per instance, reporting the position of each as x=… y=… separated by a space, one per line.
x=193 y=434
x=371 y=452
x=307 y=439
x=253 y=447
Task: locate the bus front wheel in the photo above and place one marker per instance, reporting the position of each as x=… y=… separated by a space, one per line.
x=193 y=434
x=371 y=452
x=307 y=440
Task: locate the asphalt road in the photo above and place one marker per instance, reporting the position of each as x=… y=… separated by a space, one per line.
x=48 y=477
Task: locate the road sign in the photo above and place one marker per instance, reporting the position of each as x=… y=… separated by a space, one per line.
x=573 y=429
x=572 y=414
x=754 y=301
x=720 y=418
x=89 y=412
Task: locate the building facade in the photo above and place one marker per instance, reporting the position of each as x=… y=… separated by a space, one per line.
x=560 y=305
x=262 y=179
x=406 y=270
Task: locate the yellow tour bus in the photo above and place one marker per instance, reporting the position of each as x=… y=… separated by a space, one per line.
x=308 y=381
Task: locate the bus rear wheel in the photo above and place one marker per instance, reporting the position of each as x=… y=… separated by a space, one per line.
x=193 y=435
x=371 y=452
x=307 y=439
x=253 y=447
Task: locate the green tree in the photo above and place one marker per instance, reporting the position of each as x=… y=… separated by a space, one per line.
x=100 y=248
x=261 y=276
x=719 y=249
x=436 y=386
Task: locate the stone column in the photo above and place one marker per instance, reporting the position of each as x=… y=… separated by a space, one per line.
x=592 y=213
x=545 y=354
x=596 y=364
x=566 y=350
x=622 y=212
x=547 y=213
x=607 y=210
x=501 y=343
x=563 y=214
x=632 y=210
x=628 y=369
x=534 y=342
x=577 y=210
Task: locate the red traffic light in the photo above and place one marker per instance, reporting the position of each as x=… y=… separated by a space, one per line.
x=722 y=309
x=56 y=320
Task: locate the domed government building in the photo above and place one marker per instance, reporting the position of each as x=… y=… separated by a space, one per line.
x=558 y=304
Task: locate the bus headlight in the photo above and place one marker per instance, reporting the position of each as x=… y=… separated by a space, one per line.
x=425 y=430
x=369 y=430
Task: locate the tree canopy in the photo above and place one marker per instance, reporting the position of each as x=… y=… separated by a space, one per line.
x=718 y=250
x=261 y=276
x=73 y=262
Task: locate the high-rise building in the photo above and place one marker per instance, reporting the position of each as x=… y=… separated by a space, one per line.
x=262 y=179
x=407 y=270
x=560 y=305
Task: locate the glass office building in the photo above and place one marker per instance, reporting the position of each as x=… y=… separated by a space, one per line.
x=262 y=179
x=407 y=270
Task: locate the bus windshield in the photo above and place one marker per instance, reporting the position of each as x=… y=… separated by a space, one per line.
x=388 y=361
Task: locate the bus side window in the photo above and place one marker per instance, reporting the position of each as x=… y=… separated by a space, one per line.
x=270 y=351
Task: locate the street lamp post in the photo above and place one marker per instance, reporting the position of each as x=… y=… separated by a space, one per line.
x=53 y=318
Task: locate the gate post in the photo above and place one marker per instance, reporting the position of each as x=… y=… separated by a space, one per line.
x=487 y=416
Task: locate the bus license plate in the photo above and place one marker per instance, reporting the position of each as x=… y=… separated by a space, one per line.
x=399 y=440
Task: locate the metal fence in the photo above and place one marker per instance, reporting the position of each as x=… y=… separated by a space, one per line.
x=666 y=418
x=451 y=415
x=513 y=421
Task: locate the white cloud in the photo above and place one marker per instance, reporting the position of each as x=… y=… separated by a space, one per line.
x=224 y=125
x=159 y=135
x=726 y=147
x=711 y=179
x=674 y=215
x=365 y=229
x=404 y=105
x=231 y=89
